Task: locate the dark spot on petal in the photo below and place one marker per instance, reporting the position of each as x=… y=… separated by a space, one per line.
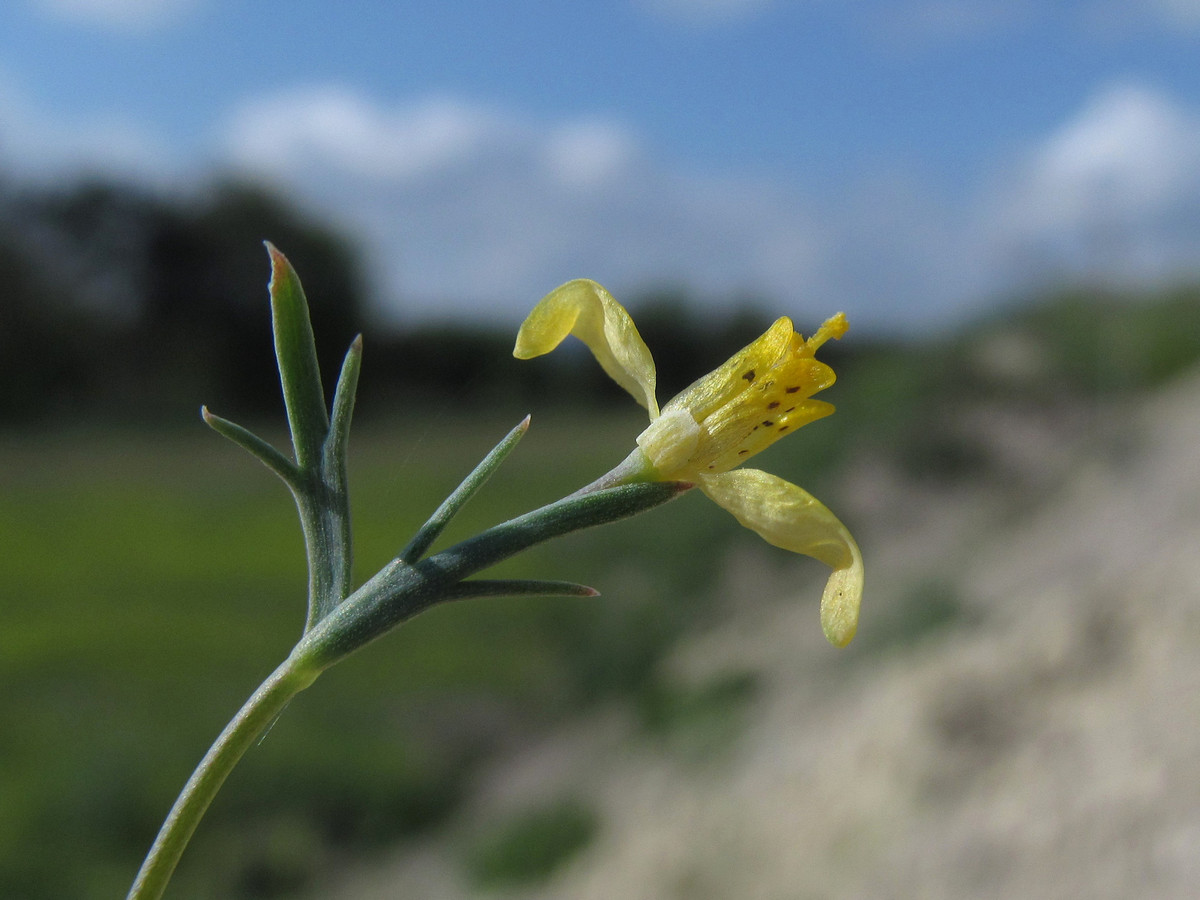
x=749 y=376
x=774 y=404
x=767 y=422
x=743 y=452
x=790 y=409
x=782 y=429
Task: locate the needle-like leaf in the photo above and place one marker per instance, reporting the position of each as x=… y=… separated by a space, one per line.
x=429 y=532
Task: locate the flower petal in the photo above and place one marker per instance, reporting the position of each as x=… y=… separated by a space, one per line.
x=789 y=517
x=707 y=394
x=585 y=309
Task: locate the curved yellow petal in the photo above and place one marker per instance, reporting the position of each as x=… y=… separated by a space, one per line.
x=585 y=309
x=789 y=517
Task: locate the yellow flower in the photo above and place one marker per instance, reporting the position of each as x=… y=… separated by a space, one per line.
x=763 y=392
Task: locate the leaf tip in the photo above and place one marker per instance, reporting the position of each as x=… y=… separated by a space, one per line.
x=280 y=267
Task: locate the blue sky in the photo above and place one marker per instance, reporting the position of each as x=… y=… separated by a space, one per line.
x=909 y=161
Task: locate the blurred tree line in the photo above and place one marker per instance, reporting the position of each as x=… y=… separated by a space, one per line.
x=116 y=302
x=119 y=304
x=122 y=305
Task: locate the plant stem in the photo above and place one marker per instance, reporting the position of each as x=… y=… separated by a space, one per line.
x=251 y=721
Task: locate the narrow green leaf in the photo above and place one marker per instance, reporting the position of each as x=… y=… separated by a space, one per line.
x=343 y=408
x=429 y=532
x=399 y=591
x=507 y=587
x=296 y=352
x=256 y=446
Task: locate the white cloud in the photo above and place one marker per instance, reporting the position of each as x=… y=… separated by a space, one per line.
x=337 y=128
x=484 y=208
x=491 y=207
x=1129 y=149
x=126 y=16
x=1114 y=192
x=590 y=152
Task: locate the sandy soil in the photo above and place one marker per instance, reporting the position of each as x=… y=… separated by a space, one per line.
x=1045 y=745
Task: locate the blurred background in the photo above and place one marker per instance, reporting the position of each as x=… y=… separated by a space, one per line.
x=1004 y=198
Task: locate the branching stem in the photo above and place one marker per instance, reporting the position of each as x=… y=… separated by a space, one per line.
x=340 y=621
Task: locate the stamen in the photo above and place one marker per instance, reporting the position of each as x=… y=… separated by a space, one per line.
x=834 y=328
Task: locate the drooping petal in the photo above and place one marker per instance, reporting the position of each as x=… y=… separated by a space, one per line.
x=789 y=517
x=585 y=309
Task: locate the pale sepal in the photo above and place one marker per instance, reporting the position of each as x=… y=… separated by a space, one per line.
x=670 y=441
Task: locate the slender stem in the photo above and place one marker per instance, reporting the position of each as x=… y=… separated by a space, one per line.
x=264 y=705
x=324 y=507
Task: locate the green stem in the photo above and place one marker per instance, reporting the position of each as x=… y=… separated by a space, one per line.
x=635 y=468
x=251 y=721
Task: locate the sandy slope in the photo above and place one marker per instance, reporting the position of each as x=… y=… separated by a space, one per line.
x=1047 y=747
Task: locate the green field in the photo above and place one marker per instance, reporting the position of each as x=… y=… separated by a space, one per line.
x=149 y=582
